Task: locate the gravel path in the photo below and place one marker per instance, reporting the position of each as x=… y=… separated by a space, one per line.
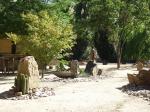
x=97 y=95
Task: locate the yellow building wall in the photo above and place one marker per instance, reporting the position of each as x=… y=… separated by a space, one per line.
x=5 y=46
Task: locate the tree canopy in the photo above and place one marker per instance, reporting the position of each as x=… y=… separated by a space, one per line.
x=38 y=28
x=122 y=21
x=48 y=28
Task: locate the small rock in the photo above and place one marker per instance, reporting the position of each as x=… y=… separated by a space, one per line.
x=37 y=93
x=30 y=97
x=35 y=97
x=34 y=90
x=18 y=93
x=43 y=95
x=141 y=96
x=146 y=99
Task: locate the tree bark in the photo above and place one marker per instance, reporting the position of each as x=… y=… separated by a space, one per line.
x=119 y=52
x=118 y=61
x=43 y=69
x=42 y=73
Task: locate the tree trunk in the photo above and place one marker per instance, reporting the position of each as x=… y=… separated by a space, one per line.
x=43 y=69
x=119 y=52
x=42 y=73
x=118 y=61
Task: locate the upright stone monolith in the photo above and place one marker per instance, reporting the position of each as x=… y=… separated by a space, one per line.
x=74 y=67
x=28 y=66
x=91 y=68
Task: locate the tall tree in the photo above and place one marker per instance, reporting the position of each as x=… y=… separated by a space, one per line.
x=11 y=20
x=119 y=18
x=84 y=36
x=40 y=28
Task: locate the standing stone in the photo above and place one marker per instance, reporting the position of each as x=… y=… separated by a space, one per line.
x=29 y=66
x=91 y=68
x=139 y=66
x=93 y=55
x=74 y=67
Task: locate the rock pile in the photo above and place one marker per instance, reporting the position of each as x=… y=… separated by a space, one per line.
x=139 y=84
x=138 y=91
x=32 y=94
x=53 y=78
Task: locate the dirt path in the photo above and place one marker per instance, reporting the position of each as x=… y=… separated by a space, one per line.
x=94 y=96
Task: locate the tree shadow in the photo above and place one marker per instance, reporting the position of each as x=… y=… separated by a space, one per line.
x=137 y=91
x=111 y=69
x=6 y=80
x=133 y=87
x=7 y=94
x=6 y=77
x=6 y=83
x=121 y=68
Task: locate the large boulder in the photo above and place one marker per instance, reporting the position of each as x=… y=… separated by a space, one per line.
x=142 y=78
x=133 y=79
x=91 y=68
x=28 y=66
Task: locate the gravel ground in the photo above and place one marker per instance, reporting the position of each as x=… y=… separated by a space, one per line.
x=93 y=94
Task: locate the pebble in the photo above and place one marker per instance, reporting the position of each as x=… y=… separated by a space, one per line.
x=138 y=91
x=33 y=94
x=45 y=91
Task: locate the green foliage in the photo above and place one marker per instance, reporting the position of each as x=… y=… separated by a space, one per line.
x=61 y=65
x=10 y=12
x=47 y=38
x=104 y=48
x=120 y=19
x=84 y=35
x=80 y=48
x=81 y=71
x=45 y=29
x=138 y=47
x=37 y=28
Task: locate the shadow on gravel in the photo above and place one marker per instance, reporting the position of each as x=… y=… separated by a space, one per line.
x=132 y=87
x=7 y=94
x=122 y=68
x=112 y=69
x=6 y=80
x=6 y=83
x=7 y=77
x=138 y=91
